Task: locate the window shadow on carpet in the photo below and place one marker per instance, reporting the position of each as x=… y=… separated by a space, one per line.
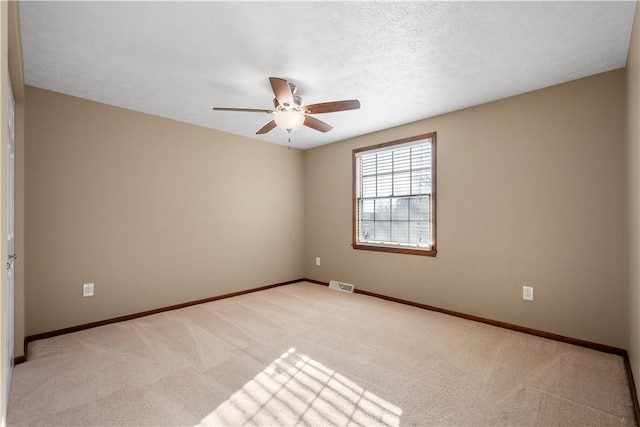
x=296 y=389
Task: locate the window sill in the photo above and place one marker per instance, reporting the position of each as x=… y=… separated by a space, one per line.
x=408 y=251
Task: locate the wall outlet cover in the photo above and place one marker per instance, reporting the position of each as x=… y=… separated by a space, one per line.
x=87 y=290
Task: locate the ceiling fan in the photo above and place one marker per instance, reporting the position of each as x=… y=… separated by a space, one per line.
x=289 y=113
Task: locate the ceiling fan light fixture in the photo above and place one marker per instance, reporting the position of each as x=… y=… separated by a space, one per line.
x=288 y=120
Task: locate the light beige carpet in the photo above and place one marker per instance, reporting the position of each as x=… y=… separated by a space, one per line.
x=303 y=354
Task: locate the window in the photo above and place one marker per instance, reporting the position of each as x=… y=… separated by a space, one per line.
x=394 y=196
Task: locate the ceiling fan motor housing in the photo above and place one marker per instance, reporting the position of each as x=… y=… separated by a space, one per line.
x=297 y=103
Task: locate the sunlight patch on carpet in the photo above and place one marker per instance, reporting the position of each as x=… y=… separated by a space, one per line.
x=295 y=388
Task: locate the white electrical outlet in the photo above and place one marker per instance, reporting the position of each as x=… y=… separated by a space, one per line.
x=527 y=293
x=87 y=290
x=317 y=260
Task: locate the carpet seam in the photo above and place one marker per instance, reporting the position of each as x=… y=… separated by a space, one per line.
x=577 y=403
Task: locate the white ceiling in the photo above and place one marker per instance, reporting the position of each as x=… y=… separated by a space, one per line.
x=404 y=61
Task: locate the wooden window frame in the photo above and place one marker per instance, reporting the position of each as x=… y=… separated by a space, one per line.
x=394 y=249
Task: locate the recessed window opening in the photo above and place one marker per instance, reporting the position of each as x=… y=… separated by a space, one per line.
x=395 y=196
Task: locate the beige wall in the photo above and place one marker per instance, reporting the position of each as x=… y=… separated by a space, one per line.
x=633 y=201
x=530 y=191
x=154 y=212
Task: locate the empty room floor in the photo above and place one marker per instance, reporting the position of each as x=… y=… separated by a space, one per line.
x=303 y=354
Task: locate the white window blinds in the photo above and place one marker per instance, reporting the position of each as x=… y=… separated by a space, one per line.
x=394 y=188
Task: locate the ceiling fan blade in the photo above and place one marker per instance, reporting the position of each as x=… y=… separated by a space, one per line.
x=245 y=110
x=331 y=107
x=266 y=128
x=282 y=91
x=316 y=124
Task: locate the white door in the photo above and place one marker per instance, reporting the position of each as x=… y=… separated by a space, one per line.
x=10 y=235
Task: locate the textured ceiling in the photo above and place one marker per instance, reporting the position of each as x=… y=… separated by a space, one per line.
x=404 y=61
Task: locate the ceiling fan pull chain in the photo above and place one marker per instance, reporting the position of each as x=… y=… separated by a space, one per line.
x=289 y=130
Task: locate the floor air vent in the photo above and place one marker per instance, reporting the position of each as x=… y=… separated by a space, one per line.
x=341 y=286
